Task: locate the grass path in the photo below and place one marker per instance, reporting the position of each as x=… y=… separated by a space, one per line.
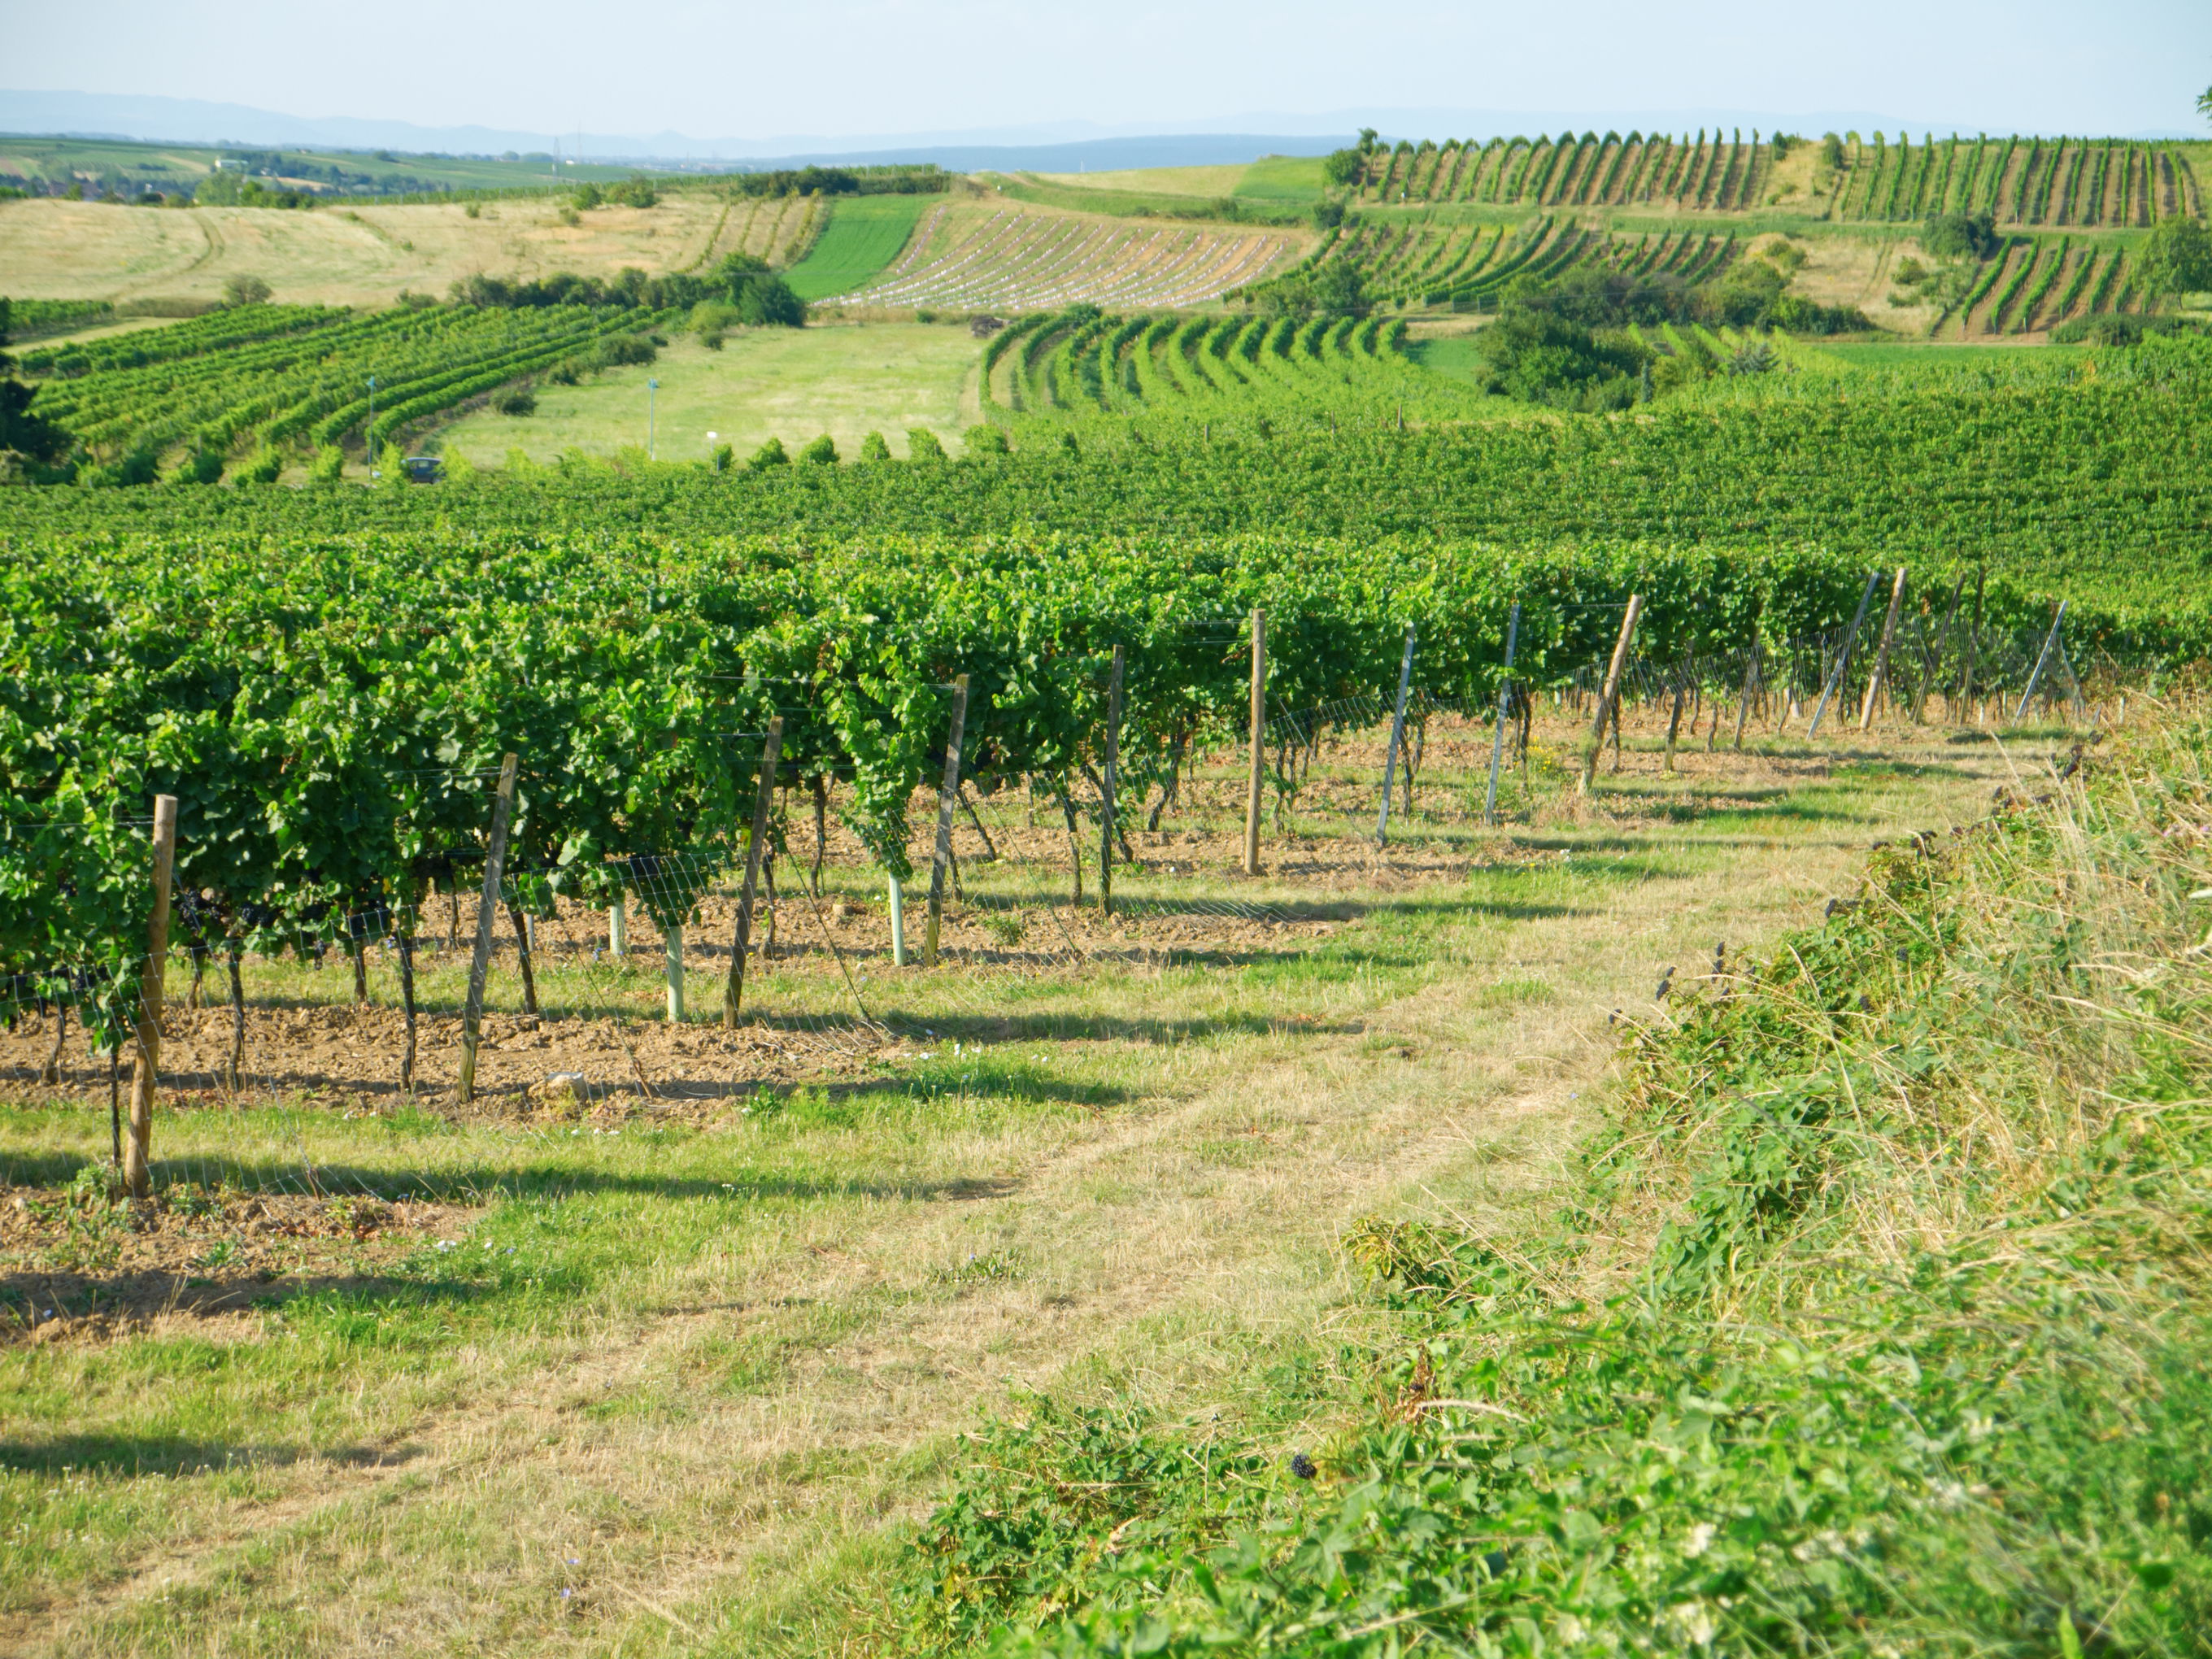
x=704 y=1443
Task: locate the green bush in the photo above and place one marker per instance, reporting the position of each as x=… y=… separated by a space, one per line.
x=823 y=452
x=723 y=458
x=922 y=445
x=328 y=466
x=516 y=401
x=1961 y=236
x=873 y=448
x=987 y=441
x=769 y=454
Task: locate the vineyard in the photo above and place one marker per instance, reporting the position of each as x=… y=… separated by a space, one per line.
x=1280 y=996
x=1010 y=258
x=240 y=390
x=2028 y=182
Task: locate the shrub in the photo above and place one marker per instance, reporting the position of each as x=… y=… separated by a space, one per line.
x=722 y=460
x=823 y=452
x=264 y=467
x=617 y=349
x=589 y=195
x=1961 y=236
x=987 y=441
x=769 y=454
x=515 y=400
x=1832 y=151
x=328 y=466
x=243 y=290
x=922 y=445
x=2177 y=257
x=205 y=466
x=873 y=448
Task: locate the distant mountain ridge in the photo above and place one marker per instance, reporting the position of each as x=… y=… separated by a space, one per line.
x=1065 y=146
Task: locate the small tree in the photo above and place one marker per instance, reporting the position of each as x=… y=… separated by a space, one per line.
x=243 y=290
x=2177 y=257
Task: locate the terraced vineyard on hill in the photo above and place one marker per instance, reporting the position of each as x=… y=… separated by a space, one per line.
x=2021 y=181
x=1444 y=262
x=1006 y=258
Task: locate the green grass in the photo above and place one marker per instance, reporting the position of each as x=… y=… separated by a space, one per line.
x=847 y=379
x=1282 y=180
x=1872 y=1322
x=865 y=234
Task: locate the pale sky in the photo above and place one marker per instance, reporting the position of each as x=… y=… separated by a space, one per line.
x=851 y=67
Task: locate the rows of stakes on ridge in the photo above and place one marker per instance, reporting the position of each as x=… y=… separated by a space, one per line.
x=1018 y=261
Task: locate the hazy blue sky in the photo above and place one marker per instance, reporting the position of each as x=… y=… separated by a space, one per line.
x=845 y=67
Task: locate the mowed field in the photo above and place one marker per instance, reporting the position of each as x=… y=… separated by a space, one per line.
x=51 y=249
x=1007 y=255
x=847 y=379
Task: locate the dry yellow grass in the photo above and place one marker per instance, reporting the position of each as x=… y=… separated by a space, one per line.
x=361 y=256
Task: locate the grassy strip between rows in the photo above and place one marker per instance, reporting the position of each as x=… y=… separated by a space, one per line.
x=1874 y=1323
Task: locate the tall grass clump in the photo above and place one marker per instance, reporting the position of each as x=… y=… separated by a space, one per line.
x=1876 y=1321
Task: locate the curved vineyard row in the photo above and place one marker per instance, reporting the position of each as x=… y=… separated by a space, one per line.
x=2062 y=182
x=237 y=381
x=2090 y=472
x=1015 y=260
x=1464 y=265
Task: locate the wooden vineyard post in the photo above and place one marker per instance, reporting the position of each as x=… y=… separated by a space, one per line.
x=137 y=1151
x=1504 y=701
x=2035 y=677
x=1259 y=743
x=948 y=798
x=502 y=807
x=1596 y=742
x=1882 y=651
x=1843 y=657
x=1108 y=784
x=1397 y=738
x=733 y=993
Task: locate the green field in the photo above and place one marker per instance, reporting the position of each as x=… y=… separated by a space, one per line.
x=1282 y=180
x=846 y=380
x=865 y=234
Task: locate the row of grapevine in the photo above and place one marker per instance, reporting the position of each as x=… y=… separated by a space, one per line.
x=327 y=712
x=225 y=386
x=1722 y=174
x=2078 y=471
x=1463 y=266
x=2036 y=284
x=2081 y=182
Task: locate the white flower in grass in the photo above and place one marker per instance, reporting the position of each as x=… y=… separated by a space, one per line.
x=1700 y=1540
x=1694 y=1620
